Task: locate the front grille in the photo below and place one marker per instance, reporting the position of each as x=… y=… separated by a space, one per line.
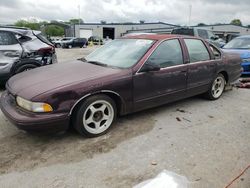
x=12 y=99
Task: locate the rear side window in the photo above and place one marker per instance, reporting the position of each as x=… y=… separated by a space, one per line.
x=197 y=50
x=184 y=31
x=202 y=33
x=7 y=38
x=167 y=54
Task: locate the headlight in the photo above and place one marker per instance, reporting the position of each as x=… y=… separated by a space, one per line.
x=33 y=106
x=246 y=60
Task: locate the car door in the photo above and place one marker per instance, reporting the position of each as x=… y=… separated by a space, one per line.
x=166 y=81
x=201 y=67
x=75 y=43
x=10 y=51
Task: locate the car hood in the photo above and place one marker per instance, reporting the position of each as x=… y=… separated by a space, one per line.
x=41 y=80
x=244 y=54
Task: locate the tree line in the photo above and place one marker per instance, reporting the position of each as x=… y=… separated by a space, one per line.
x=49 y=30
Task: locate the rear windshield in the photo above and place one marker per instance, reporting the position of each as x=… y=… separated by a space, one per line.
x=183 y=31
x=43 y=39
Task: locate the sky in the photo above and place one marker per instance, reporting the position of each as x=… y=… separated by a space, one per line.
x=169 y=11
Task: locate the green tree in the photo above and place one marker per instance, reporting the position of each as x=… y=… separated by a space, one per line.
x=76 y=21
x=236 y=22
x=201 y=24
x=23 y=23
x=54 y=30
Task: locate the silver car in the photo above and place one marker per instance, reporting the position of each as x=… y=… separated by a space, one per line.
x=23 y=49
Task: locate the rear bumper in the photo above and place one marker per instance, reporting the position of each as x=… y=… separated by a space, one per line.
x=32 y=121
x=246 y=68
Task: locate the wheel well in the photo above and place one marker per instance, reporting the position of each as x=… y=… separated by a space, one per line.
x=25 y=62
x=224 y=73
x=115 y=97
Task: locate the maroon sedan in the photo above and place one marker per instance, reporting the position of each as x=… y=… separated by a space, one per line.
x=124 y=76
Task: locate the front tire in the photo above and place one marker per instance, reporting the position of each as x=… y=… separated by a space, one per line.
x=95 y=116
x=216 y=89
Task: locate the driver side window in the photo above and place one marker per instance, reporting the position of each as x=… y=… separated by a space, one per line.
x=168 y=53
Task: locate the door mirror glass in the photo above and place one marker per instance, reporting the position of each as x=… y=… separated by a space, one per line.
x=149 y=67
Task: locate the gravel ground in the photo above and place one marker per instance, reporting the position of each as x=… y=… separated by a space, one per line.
x=209 y=144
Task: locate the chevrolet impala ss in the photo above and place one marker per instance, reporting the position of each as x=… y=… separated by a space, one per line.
x=129 y=74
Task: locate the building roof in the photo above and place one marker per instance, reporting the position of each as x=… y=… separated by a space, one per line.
x=127 y=23
x=155 y=36
x=212 y=25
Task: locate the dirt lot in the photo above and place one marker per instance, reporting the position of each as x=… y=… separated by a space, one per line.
x=206 y=141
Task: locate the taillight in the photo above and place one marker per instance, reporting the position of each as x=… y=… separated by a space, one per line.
x=46 y=50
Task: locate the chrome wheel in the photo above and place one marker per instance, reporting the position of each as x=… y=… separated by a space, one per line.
x=218 y=87
x=98 y=116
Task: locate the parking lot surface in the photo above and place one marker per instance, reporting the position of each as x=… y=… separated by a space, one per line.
x=206 y=141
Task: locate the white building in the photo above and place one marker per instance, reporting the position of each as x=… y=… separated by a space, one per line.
x=113 y=30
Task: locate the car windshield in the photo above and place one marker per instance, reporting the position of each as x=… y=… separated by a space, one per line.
x=121 y=53
x=238 y=43
x=43 y=38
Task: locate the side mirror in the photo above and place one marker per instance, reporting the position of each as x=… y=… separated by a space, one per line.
x=215 y=37
x=150 y=67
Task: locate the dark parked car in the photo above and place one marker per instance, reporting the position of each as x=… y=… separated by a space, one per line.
x=23 y=49
x=124 y=76
x=75 y=42
x=96 y=40
x=200 y=32
x=241 y=46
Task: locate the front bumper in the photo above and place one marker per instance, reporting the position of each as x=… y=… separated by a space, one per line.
x=32 y=121
x=246 y=68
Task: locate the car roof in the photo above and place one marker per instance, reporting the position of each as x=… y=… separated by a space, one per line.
x=15 y=30
x=156 y=36
x=244 y=36
x=22 y=31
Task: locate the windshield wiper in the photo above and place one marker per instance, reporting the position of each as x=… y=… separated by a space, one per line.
x=82 y=59
x=97 y=63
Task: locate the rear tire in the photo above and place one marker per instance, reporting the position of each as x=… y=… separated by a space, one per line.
x=24 y=68
x=95 y=116
x=217 y=87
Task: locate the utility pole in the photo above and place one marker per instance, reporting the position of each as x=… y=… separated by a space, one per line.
x=79 y=12
x=190 y=13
